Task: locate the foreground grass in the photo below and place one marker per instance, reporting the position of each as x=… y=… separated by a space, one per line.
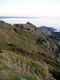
x=23 y=77
x=30 y=66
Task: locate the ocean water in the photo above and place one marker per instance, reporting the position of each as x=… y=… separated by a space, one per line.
x=49 y=22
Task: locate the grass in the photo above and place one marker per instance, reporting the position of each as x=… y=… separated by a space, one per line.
x=52 y=62
x=29 y=66
x=23 y=39
x=26 y=44
x=4 y=68
x=23 y=77
x=1 y=62
x=47 y=59
x=12 y=54
x=33 y=67
x=4 y=45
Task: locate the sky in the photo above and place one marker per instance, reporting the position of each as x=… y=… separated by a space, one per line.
x=34 y=8
x=47 y=10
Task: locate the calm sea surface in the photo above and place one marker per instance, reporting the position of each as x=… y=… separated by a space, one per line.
x=50 y=22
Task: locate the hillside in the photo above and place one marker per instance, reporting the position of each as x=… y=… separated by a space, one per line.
x=26 y=55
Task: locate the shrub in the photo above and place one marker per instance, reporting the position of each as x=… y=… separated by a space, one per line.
x=40 y=41
x=55 y=73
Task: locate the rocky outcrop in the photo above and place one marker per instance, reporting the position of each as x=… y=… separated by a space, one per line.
x=46 y=30
x=55 y=35
x=27 y=26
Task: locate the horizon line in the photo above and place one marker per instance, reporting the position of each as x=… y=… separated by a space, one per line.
x=17 y=17
x=31 y=17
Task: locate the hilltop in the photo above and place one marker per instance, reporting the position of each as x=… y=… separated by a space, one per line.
x=26 y=55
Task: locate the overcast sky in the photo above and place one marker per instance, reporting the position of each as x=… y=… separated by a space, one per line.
x=30 y=8
x=48 y=11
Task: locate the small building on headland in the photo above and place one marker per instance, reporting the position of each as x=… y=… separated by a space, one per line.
x=28 y=26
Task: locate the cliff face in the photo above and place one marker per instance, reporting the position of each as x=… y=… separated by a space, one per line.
x=28 y=56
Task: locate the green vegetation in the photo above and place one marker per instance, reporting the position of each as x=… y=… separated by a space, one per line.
x=23 y=54
x=23 y=77
x=4 y=68
x=4 y=45
x=38 y=69
x=49 y=60
x=40 y=41
x=1 y=62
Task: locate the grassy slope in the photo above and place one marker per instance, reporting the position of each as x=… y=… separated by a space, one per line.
x=22 y=57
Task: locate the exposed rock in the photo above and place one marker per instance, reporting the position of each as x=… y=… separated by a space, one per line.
x=27 y=26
